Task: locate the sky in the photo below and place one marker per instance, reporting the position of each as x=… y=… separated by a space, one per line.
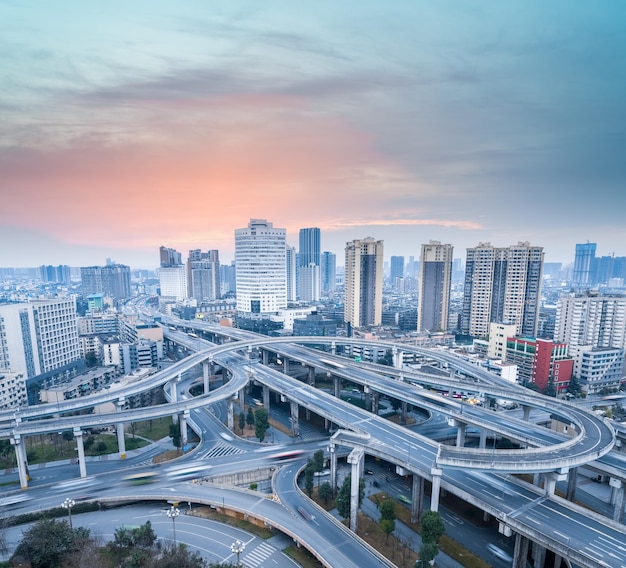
x=125 y=126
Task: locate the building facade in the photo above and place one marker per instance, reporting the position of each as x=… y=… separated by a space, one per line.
x=363 y=282
x=328 y=272
x=396 y=270
x=583 y=264
x=502 y=285
x=435 y=281
x=112 y=280
x=203 y=275
x=261 y=267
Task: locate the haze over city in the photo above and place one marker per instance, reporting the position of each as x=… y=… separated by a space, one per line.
x=126 y=126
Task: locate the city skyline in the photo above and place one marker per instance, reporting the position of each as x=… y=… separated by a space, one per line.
x=127 y=127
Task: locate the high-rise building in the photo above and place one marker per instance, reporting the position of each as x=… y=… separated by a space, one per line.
x=112 y=280
x=396 y=269
x=328 y=272
x=261 y=267
x=502 y=285
x=173 y=282
x=60 y=274
x=435 y=279
x=169 y=257
x=591 y=319
x=38 y=337
x=310 y=250
x=363 y=282
x=291 y=273
x=584 y=264
x=203 y=275
x=309 y=283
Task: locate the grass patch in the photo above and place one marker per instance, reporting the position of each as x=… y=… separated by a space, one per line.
x=397 y=550
x=212 y=514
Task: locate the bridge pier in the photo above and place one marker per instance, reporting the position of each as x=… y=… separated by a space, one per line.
x=266 y=398
x=337 y=386
x=206 y=373
x=436 y=489
x=183 y=427
x=539 y=555
x=20 y=458
x=78 y=435
x=295 y=424
x=333 y=348
x=403 y=409
x=482 y=444
x=417 y=498
x=617 y=498
x=375 y=402
x=241 y=395
x=333 y=467
x=398 y=358
x=572 y=477
x=526 y=413
x=231 y=414
x=119 y=430
x=355 y=459
x=520 y=552
x=460 y=434
x=286 y=366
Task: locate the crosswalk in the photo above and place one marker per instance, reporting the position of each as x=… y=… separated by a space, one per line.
x=222 y=449
x=259 y=555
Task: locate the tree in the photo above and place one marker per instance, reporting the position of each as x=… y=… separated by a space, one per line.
x=175 y=434
x=432 y=530
x=427 y=554
x=387 y=526
x=261 y=423
x=309 y=476
x=387 y=510
x=318 y=463
x=250 y=417
x=574 y=386
x=47 y=541
x=91 y=360
x=325 y=492
x=242 y=421
x=343 y=496
x=179 y=557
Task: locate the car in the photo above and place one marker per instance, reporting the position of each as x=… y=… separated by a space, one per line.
x=499 y=553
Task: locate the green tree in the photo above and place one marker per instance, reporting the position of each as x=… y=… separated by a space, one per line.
x=261 y=423
x=387 y=510
x=574 y=386
x=432 y=530
x=343 y=496
x=91 y=360
x=325 y=492
x=427 y=554
x=46 y=543
x=318 y=463
x=387 y=526
x=309 y=477
x=250 y=417
x=175 y=434
x=180 y=557
x=242 y=421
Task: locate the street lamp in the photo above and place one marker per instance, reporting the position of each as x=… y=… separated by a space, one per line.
x=172 y=513
x=68 y=504
x=237 y=548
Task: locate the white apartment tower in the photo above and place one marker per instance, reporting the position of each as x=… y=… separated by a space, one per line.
x=261 y=268
x=363 y=282
x=502 y=285
x=591 y=319
x=38 y=337
x=173 y=282
x=435 y=278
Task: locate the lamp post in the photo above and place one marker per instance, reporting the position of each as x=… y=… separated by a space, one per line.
x=237 y=548
x=68 y=504
x=172 y=513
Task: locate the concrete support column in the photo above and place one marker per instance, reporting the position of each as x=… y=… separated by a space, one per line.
x=333 y=348
x=557 y=560
x=183 y=427
x=375 y=402
x=617 y=498
x=482 y=444
x=549 y=484
x=20 y=458
x=572 y=477
x=119 y=429
x=311 y=376
x=266 y=356
x=436 y=482
x=295 y=423
x=241 y=395
x=337 y=386
x=205 y=377
x=121 y=440
x=398 y=358
x=78 y=435
x=231 y=414
x=520 y=551
x=403 y=407
x=173 y=389
x=333 y=467
x=526 y=412
x=266 y=397
x=460 y=434
x=417 y=498
x=539 y=555
x=355 y=459
x=286 y=366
